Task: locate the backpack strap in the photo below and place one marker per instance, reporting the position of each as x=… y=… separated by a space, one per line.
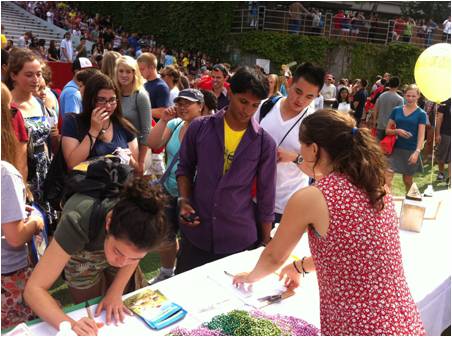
x=267 y=106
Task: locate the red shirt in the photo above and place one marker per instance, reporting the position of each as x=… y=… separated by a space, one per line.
x=337 y=20
x=19 y=125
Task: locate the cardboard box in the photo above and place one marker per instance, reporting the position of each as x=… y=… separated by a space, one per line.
x=412 y=215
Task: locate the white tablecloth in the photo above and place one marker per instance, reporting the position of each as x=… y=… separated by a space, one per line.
x=426 y=259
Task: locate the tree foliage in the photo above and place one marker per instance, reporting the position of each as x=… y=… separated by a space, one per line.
x=198 y=25
x=436 y=10
x=362 y=60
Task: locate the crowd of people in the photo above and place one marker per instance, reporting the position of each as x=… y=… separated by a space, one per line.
x=349 y=24
x=105 y=36
x=99 y=29
x=209 y=161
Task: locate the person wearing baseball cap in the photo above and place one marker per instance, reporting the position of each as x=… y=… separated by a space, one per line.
x=71 y=98
x=170 y=130
x=192 y=95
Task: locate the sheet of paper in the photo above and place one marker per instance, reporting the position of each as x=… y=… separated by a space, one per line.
x=249 y=294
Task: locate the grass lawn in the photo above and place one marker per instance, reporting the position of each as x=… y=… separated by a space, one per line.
x=151 y=263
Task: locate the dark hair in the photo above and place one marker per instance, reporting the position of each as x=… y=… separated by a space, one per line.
x=363 y=82
x=221 y=68
x=139 y=216
x=95 y=84
x=5 y=57
x=246 y=79
x=338 y=97
x=85 y=74
x=183 y=83
x=357 y=155
x=394 y=82
x=312 y=74
x=210 y=100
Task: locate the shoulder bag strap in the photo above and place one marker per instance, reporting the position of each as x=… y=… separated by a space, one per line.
x=165 y=175
x=299 y=119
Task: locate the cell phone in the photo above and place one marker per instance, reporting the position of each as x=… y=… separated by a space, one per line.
x=189 y=217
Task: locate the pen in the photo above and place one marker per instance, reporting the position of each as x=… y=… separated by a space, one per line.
x=88 y=310
x=228 y=273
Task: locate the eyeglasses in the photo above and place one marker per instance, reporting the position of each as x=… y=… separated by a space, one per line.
x=185 y=104
x=105 y=101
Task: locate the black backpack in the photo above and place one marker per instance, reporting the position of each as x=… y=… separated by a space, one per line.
x=105 y=178
x=268 y=105
x=57 y=174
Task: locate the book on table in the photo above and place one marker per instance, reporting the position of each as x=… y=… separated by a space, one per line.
x=155 y=309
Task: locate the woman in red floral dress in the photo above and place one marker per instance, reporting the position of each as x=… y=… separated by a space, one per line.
x=353 y=233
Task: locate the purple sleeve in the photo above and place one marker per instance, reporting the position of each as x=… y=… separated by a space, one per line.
x=266 y=181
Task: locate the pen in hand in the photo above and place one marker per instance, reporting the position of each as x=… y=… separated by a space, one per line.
x=89 y=312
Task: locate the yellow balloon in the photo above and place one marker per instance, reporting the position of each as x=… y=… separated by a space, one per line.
x=433 y=72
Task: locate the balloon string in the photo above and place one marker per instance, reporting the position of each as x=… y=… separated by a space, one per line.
x=435 y=109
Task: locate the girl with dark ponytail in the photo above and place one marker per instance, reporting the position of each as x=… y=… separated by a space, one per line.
x=132 y=225
x=353 y=233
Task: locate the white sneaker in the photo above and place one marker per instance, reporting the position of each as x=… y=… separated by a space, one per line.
x=160 y=277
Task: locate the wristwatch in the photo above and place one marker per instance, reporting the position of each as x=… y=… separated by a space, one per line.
x=298 y=160
x=180 y=199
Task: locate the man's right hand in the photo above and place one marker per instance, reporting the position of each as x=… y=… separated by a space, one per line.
x=186 y=211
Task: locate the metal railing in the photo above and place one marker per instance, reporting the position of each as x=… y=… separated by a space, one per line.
x=306 y=24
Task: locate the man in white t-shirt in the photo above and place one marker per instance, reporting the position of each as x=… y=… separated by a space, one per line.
x=66 y=50
x=446 y=30
x=282 y=122
x=328 y=91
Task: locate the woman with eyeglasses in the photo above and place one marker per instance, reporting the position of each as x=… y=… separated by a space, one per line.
x=169 y=132
x=101 y=128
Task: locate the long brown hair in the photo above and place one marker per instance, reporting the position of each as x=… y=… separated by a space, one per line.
x=92 y=87
x=17 y=59
x=354 y=152
x=9 y=139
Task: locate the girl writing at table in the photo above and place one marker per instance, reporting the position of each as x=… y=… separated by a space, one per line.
x=131 y=226
x=353 y=233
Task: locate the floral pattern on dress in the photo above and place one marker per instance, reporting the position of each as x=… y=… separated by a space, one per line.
x=39 y=131
x=363 y=290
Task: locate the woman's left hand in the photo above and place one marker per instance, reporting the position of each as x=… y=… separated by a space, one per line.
x=113 y=306
x=413 y=158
